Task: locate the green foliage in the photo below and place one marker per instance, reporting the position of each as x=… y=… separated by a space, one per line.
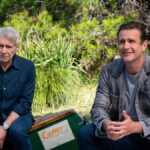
x=111 y=52
x=20 y=21
x=42 y=24
x=8 y=7
x=96 y=42
x=44 y=21
x=114 y=4
x=64 y=38
x=60 y=74
x=45 y=26
x=89 y=3
x=109 y=29
x=83 y=29
x=57 y=72
x=55 y=53
x=54 y=86
x=49 y=46
x=110 y=26
x=63 y=10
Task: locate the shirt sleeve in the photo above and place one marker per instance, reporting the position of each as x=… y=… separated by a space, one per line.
x=26 y=97
x=102 y=105
x=100 y=132
x=146 y=129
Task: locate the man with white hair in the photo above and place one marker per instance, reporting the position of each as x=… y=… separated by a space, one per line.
x=17 y=83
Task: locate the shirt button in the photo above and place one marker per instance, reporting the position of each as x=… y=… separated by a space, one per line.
x=4 y=88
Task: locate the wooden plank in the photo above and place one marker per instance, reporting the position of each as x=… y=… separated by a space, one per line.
x=49 y=118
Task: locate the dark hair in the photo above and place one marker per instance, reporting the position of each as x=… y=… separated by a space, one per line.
x=134 y=25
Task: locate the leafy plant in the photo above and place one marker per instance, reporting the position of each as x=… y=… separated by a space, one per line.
x=63 y=38
x=57 y=71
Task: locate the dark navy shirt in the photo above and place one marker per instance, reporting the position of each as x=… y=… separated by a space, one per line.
x=17 y=85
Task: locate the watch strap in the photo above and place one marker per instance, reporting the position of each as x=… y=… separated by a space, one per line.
x=5 y=126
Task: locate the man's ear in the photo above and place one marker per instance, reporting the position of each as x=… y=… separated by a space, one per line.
x=17 y=47
x=144 y=45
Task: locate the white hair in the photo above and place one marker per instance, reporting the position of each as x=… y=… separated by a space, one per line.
x=10 y=33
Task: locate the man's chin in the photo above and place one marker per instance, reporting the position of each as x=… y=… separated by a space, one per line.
x=127 y=60
x=3 y=60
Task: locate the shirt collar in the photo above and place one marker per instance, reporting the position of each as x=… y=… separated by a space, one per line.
x=15 y=62
x=119 y=66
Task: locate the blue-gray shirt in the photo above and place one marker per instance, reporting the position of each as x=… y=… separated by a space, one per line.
x=131 y=85
x=17 y=85
x=110 y=96
x=130 y=96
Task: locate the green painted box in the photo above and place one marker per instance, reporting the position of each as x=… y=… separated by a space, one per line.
x=56 y=131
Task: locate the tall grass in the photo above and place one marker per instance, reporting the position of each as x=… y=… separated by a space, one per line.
x=57 y=71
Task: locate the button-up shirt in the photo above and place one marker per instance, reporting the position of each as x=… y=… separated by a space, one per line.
x=110 y=96
x=17 y=85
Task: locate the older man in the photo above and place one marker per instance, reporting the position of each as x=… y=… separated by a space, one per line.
x=17 y=82
x=121 y=110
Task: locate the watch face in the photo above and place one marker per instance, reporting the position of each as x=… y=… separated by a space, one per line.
x=5 y=126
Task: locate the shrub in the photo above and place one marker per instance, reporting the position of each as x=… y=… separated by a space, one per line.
x=53 y=53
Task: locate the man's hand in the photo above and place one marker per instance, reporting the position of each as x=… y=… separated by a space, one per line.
x=3 y=133
x=117 y=130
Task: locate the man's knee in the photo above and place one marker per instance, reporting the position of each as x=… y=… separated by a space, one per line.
x=86 y=132
x=19 y=137
x=17 y=131
x=87 y=139
x=20 y=127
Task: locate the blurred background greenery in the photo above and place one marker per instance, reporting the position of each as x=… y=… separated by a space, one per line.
x=69 y=41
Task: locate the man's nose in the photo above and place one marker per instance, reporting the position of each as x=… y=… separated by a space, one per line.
x=126 y=45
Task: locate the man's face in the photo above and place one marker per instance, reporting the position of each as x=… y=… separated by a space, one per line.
x=7 y=50
x=131 y=47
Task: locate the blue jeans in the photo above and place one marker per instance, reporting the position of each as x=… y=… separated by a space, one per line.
x=18 y=133
x=88 y=141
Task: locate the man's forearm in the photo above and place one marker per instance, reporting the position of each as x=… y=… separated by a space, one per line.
x=11 y=118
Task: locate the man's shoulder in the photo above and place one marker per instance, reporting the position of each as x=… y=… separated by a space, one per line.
x=147 y=57
x=115 y=64
x=24 y=62
x=147 y=62
x=115 y=67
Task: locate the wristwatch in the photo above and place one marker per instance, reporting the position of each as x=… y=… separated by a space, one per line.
x=5 y=126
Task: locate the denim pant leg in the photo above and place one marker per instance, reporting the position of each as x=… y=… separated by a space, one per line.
x=88 y=141
x=19 y=132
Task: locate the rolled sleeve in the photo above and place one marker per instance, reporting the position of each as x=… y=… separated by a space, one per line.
x=100 y=132
x=146 y=129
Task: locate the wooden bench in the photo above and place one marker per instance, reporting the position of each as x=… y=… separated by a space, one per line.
x=49 y=118
x=56 y=131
